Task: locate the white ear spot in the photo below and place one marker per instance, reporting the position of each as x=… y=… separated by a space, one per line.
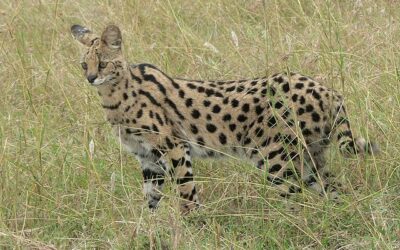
x=78 y=31
x=116 y=45
x=83 y=35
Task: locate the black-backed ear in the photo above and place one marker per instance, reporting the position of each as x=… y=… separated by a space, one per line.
x=83 y=35
x=112 y=37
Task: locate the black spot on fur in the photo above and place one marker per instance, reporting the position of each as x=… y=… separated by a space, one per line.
x=206 y=103
x=194 y=129
x=303 y=78
x=271 y=122
x=246 y=107
x=278 y=79
x=278 y=104
x=211 y=127
x=272 y=154
x=154 y=128
x=234 y=103
x=275 y=181
x=306 y=132
x=321 y=105
x=309 y=108
x=342 y=120
x=195 y=114
x=242 y=118
x=274 y=168
x=285 y=87
x=149 y=174
x=210 y=92
x=300 y=111
x=158 y=117
x=146 y=128
x=278 y=137
x=239 y=137
x=181 y=94
x=127 y=108
x=216 y=109
x=187 y=178
x=302 y=100
x=240 y=89
x=315 y=117
x=132 y=131
x=252 y=91
x=266 y=142
x=299 y=85
x=272 y=91
x=259 y=110
x=170 y=145
x=316 y=95
x=227 y=117
x=264 y=92
x=287 y=173
x=259 y=132
x=191 y=85
x=247 y=141
x=189 y=102
x=139 y=113
x=222 y=138
x=230 y=89
x=200 y=141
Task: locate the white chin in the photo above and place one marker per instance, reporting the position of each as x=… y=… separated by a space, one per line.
x=98 y=82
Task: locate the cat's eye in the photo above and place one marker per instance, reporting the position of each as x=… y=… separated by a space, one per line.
x=84 y=65
x=102 y=65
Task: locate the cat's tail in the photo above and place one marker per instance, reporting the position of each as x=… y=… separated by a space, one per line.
x=348 y=144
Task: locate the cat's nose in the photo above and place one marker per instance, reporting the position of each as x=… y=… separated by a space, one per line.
x=91 y=78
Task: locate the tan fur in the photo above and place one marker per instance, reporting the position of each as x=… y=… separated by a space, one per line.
x=282 y=123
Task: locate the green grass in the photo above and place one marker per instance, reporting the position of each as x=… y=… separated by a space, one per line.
x=54 y=193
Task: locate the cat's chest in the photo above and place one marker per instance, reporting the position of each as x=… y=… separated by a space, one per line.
x=132 y=141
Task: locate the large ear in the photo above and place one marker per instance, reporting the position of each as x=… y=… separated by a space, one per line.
x=83 y=35
x=112 y=37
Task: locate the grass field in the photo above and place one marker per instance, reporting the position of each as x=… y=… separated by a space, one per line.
x=57 y=193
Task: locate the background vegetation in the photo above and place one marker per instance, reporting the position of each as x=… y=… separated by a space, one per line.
x=55 y=192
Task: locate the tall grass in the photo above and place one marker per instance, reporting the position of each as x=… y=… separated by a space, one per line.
x=56 y=193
